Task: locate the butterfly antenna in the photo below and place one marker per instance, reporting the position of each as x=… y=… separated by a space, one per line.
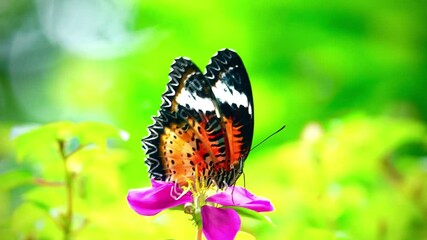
x=280 y=129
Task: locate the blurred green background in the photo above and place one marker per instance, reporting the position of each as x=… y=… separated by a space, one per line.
x=348 y=78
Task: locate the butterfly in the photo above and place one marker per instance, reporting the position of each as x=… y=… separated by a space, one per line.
x=204 y=127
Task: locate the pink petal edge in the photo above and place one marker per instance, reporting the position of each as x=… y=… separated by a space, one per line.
x=150 y=201
x=240 y=197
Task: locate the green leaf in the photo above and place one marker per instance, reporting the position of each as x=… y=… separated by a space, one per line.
x=30 y=220
x=252 y=214
x=39 y=143
x=40 y=205
x=96 y=133
x=14 y=178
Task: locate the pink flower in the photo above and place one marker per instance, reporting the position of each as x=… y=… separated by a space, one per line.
x=218 y=220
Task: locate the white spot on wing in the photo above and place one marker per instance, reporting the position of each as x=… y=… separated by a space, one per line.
x=230 y=95
x=194 y=101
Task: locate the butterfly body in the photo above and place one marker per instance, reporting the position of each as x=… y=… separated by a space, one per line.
x=205 y=124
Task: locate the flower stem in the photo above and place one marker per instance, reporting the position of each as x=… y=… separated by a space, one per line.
x=199 y=233
x=67 y=226
x=68 y=221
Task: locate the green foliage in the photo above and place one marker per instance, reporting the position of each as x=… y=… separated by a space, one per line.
x=354 y=178
x=67 y=167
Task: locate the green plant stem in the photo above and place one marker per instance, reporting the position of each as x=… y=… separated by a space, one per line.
x=68 y=221
x=67 y=227
x=69 y=215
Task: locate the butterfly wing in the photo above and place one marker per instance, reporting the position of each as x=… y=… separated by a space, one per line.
x=189 y=134
x=230 y=85
x=179 y=142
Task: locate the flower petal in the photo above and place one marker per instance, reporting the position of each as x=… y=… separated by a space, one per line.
x=240 y=197
x=220 y=223
x=150 y=201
